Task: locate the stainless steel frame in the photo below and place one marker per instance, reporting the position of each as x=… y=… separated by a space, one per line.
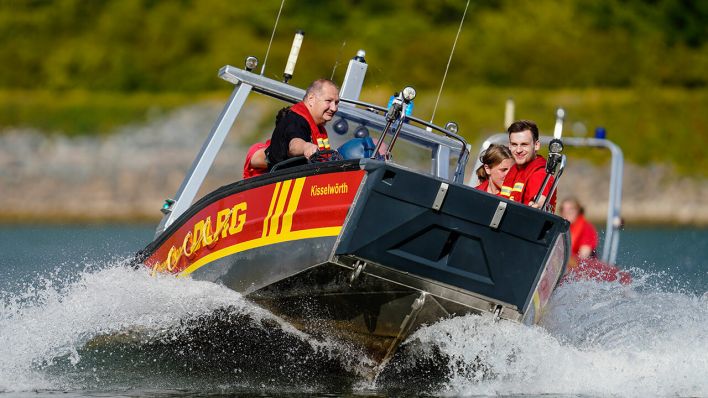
x=442 y=147
x=478 y=302
x=202 y=163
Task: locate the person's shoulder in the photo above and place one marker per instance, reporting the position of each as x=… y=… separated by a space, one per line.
x=286 y=117
x=587 y=225
x=294 y=118
x=292 y=122
x=537 y=166
x=539 y=162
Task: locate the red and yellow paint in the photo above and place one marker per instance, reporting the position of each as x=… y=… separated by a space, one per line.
x=301 y=208
x=547 y=283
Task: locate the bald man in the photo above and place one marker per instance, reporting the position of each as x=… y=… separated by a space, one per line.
x=299 y=130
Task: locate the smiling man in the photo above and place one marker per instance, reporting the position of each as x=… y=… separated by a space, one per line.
x=526 y=176
x=299 y=130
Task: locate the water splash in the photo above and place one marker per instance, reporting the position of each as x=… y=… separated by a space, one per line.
x=111 y=328
x=596 y=339
x=114 y=327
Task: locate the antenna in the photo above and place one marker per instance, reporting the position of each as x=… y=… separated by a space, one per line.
x=558 y=128
x=452 y=51
x=265 y=59
x=509 y=113
x=292 y=58
x=339 y=56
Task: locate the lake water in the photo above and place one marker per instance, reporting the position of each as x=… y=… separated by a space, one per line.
x=75 y=321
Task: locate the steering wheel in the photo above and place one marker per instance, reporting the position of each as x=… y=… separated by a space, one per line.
x=325 y=155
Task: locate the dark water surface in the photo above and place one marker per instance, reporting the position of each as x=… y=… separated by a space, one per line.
x=74 y=321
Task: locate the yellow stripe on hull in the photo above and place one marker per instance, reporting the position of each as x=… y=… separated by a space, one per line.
x=260 y=242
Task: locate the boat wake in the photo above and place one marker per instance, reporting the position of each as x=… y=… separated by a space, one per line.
x=595 y=339
x=114 y=328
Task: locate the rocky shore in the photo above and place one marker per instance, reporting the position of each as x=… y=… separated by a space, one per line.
x=125 y=176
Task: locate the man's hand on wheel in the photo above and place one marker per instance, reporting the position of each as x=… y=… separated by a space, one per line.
x=310 y=149
x=325 y=155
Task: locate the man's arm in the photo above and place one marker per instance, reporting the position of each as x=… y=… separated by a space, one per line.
x=585 y=251
x=291 y=127
x=258 y=160
x=300 y=147
x=587 y=239
x=534 y=185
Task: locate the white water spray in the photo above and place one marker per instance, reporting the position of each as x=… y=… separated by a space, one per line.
x=51 y=324
x=596 y=339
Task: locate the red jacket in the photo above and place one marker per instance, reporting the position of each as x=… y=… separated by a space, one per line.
x=249 y=171
x=483 y=185
x=582 y=233
x=522 y=184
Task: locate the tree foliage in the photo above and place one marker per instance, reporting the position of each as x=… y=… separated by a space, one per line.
x=638 y=67
x=132 y=45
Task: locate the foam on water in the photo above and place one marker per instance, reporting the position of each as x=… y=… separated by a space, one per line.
x=44 y=330
x=596 y=339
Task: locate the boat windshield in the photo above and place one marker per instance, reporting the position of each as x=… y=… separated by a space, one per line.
x=420 y=145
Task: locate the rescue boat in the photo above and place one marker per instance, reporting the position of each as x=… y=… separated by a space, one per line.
x=363 y=250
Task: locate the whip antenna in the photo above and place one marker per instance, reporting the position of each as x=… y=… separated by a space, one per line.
x=339 y=56
x=448 y=61
x=265 y=60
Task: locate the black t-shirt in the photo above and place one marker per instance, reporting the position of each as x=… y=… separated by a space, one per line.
x=289 y=126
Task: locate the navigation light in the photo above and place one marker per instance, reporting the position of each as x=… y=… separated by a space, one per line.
x=408 y=94
x=555 y=146
x=251 y=63
x=452 y=127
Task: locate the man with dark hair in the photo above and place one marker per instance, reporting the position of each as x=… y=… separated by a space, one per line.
x=299 y=130
x=526 y=177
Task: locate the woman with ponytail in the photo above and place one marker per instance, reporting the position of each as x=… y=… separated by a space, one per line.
x=496 y=163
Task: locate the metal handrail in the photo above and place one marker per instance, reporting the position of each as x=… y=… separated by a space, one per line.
x=422 y=122
x=413 y=133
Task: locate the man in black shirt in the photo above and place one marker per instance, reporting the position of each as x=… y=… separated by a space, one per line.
x=299 y=129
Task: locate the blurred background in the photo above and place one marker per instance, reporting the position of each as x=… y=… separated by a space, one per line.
x=103 y=104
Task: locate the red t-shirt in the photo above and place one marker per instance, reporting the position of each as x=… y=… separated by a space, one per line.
x=483 y=186
x=522 y=184
x=249 y=171
x=582 y=233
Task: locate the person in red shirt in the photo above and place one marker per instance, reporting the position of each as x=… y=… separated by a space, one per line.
x=299 y=129
x=584 y=264
x=496 y=163
x=583 y=236
x=526 y=177
x=256 y=163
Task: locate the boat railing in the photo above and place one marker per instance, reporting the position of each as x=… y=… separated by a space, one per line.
x=613 y=222
x=443 y=148
x=426 y=140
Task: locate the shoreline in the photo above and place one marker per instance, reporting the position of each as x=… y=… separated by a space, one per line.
x=125 y=177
